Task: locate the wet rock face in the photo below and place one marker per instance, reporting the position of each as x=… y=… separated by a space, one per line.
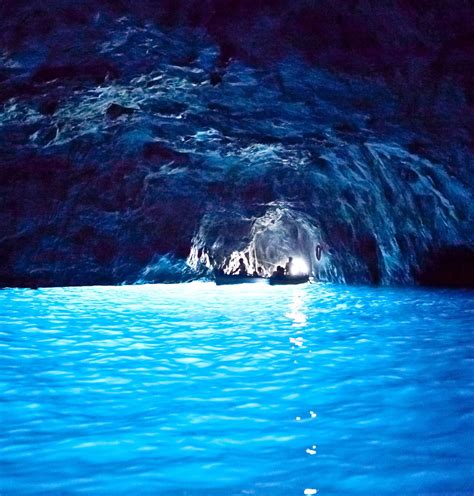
x=150 y=151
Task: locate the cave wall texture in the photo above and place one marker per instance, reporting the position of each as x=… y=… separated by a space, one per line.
x=141 y=140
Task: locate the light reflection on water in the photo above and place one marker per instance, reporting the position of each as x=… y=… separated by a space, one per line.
x=197 y=389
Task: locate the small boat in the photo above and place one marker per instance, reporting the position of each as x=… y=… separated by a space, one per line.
x=222 y=279
x=277 y=280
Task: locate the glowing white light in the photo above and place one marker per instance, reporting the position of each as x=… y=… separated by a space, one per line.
x=299 y=267
x=297 y=341
x=296 y=311
x=310 y=491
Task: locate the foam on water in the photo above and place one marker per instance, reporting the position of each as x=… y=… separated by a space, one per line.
x=196 y=389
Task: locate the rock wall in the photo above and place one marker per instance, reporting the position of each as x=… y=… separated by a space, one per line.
x=146 y=144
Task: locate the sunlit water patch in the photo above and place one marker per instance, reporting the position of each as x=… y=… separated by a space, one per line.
x=202 y=390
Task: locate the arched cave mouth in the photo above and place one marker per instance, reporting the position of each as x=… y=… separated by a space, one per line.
x=265 y=242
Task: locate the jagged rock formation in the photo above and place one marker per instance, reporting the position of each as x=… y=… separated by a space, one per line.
x=145 y=144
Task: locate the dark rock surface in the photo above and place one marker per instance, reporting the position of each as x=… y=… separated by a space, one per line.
x=141 y=142
x=450 y=266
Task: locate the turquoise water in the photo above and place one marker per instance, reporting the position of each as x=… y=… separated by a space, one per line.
x=201 y=390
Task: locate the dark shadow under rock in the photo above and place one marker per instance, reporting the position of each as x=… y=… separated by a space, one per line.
x=156 y=150
x=452 y=266
x=115 y=110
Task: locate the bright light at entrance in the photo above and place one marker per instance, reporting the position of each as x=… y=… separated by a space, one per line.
x=299 y=267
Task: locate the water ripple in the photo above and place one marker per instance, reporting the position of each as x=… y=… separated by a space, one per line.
x=192 y=390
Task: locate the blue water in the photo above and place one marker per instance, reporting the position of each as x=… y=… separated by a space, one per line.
x=251 y=390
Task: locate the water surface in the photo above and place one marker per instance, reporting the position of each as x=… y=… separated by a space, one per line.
x=202 y=390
